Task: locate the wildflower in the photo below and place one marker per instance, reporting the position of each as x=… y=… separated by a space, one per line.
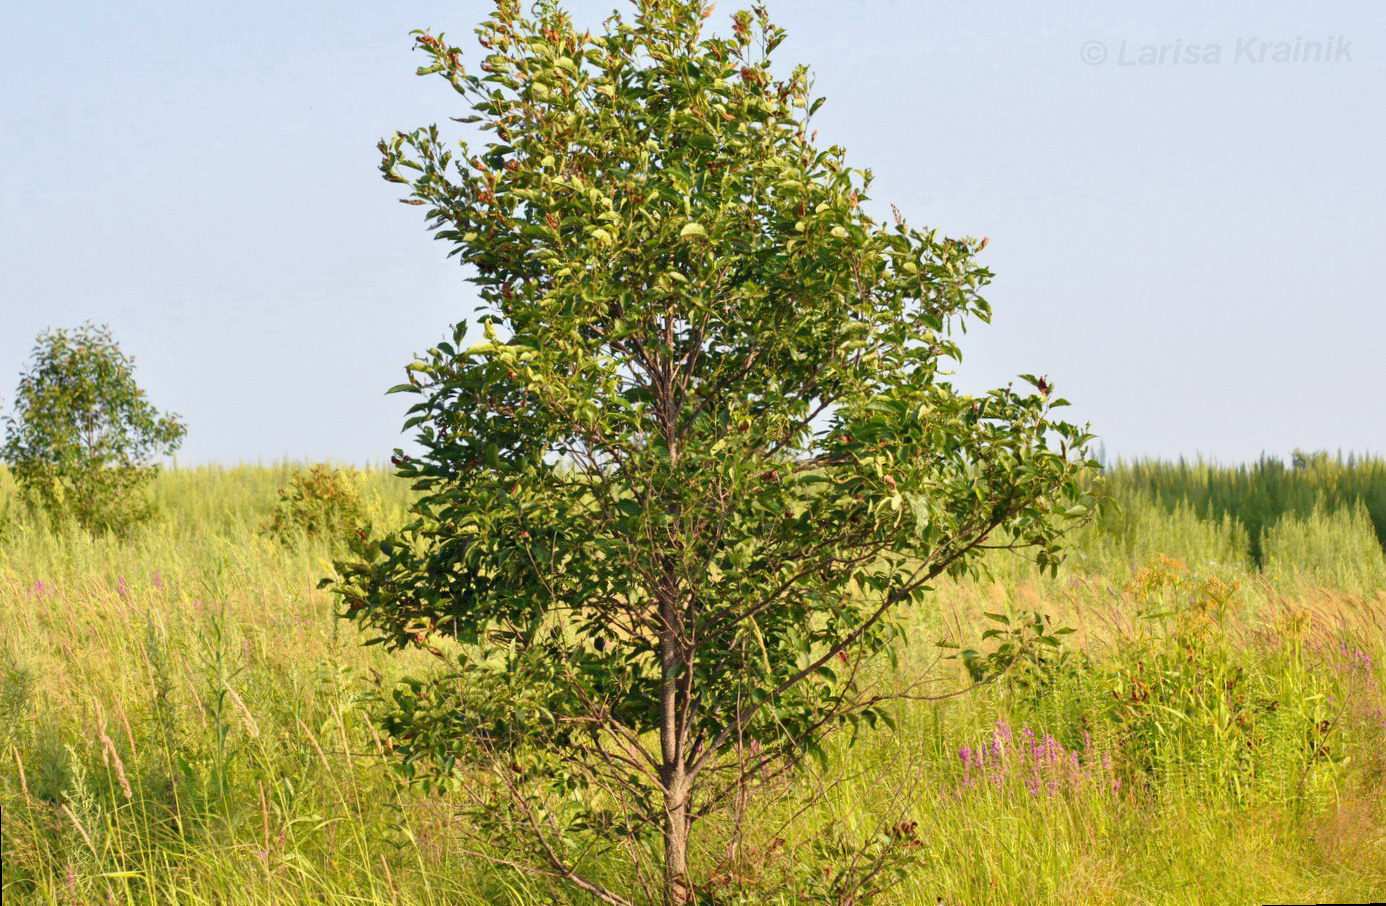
x=965 y=753
x=158 y=580
x=122 y=588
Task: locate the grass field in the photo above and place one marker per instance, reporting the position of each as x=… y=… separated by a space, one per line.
x=180 y=715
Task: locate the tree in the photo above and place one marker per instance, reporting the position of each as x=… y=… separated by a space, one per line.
x=83 y=438
x=706 y=450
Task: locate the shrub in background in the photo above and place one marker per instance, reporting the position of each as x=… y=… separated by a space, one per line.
x=83 y=438
x=318 y=502
x=1336 y=548
x=1259 y=494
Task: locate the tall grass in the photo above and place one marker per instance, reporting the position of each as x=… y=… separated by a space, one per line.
x=180 y=722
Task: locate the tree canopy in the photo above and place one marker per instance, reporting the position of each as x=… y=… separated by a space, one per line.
x=83 y=437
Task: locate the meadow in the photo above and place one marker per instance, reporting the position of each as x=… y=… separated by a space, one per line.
x=182 y=716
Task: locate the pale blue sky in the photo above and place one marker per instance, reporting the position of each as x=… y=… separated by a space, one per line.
x=1192 y=251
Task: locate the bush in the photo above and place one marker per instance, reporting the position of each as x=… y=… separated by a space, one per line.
x=1194 y=705
x=318 y=502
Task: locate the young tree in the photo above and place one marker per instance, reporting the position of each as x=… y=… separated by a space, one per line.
x=83 y=436
x=705 y=452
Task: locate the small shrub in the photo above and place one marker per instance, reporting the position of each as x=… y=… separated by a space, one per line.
x=1191 y=703
x=318 y=502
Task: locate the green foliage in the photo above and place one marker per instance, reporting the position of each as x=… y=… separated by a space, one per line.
x=8 y=514
x=1260 y=494
x=1192 y=707
x=707 y=449
x=1027 y=650
x=318 y=502
x=83 y=436
x=1335 y=548
x=1125 y=537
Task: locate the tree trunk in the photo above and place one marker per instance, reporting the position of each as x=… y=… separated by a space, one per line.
x=675 y=850
x=676 y=781
x=674 y=773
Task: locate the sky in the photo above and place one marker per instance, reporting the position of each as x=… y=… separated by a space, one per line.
x=1187 y=232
